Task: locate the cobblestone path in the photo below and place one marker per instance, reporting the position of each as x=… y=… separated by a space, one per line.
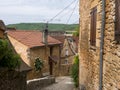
x=62 y=83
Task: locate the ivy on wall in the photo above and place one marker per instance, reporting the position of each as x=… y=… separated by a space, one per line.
x=38 y=64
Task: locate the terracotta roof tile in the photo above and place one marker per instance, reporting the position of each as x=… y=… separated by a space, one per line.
x=60 y=38
x=31 y=38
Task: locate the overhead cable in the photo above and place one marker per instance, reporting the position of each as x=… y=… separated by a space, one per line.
x=61 y=11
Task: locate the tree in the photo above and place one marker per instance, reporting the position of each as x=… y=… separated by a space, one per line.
x=7 y=58
x=76 y=33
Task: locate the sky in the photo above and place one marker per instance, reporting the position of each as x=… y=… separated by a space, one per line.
x=35 y=11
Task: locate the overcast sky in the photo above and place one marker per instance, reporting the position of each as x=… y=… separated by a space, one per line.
x=21 y=11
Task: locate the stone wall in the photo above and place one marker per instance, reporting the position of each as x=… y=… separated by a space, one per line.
x=83 y=44
x=65 y=69
x=90 y=55
x=12 y=80
x=38 y=84
x=111 y=72
x=43 y=53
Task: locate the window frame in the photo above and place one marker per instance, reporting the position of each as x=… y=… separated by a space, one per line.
x=117 y=20
x=93 y=24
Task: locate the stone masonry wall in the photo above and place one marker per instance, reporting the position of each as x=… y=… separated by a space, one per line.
x=83 y=44
x=12 y=80
x=89 y=55
x=111 y=74
x=43 y=53
x=94 y=51
x=38 y=84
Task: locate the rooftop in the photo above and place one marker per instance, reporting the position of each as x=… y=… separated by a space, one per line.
x=31 y=38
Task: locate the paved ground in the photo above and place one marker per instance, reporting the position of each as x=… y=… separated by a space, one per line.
x=62 y=83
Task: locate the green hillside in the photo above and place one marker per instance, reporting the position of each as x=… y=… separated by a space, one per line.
x=41 y=26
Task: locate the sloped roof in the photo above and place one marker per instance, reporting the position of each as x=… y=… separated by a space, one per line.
x=31 y=38
x=23 y=65
x=2 y=25
x=60 y=38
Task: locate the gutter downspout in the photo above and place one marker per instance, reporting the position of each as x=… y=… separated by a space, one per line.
x=101 y=45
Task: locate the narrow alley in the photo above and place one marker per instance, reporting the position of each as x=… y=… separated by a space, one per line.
x=62 y=83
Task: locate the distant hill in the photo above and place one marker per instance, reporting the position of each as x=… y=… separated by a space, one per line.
x=41 y=26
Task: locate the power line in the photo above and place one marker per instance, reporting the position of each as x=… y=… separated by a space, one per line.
x=61 y=11
x=65 y=14
x=72 y=13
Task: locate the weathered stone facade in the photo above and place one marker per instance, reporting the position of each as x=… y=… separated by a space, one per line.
x=12 y=80
x=90 y=55
x=68 y=53
x=38 y=84
x=43 y=52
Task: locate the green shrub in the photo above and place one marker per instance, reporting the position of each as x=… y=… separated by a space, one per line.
x=75 y=71
x=7 y=57
x=38 y=64
x=76 y=33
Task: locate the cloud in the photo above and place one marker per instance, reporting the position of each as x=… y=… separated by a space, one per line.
x=13 y=11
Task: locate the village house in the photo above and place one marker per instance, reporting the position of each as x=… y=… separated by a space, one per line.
x=33 y=44
x=69 y=48
x=68 y=52
x=99 y=45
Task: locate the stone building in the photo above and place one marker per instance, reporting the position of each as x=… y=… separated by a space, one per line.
x=30 y=45
x=68 y=52
x=99 y=45
x=69 y=48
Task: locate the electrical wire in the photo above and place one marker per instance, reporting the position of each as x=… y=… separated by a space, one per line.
x=61 y=11
x=72 y=13
x=65 y=14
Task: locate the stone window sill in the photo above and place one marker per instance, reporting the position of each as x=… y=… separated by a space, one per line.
x=92 y=48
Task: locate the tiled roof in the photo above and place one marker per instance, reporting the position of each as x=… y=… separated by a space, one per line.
x=60 y=38
x=31 y=38
x=23 y=65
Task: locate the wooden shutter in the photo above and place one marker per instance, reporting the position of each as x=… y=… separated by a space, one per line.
x=93 y=26
x=117 y=24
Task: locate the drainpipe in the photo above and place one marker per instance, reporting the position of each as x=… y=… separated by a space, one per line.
x=101 y=45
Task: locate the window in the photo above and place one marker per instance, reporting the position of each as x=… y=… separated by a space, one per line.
x=66 y=52
x=117 y=24
x=93 y=26
x=66 y=61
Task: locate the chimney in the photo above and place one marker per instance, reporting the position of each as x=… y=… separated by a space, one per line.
x=45 y=35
